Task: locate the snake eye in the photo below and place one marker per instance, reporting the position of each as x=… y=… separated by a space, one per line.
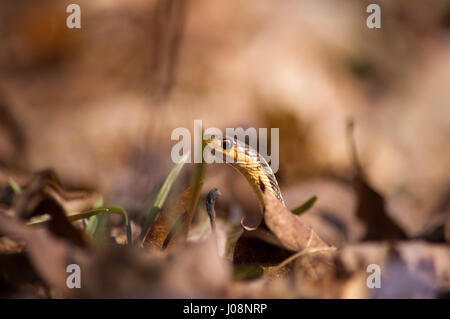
x=226 y=144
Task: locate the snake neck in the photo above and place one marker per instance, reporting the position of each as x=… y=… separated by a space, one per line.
x=261 y=178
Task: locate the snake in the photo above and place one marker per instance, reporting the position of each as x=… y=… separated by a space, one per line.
x=249 y=163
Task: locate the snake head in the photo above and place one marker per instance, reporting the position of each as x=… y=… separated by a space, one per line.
x=231 y=150
x=247 y=161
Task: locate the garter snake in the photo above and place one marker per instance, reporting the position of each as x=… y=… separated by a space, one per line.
x=249 y=163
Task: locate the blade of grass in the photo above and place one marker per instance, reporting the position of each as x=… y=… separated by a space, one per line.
x=98 y=227
x=305 y=206
x=104 y=210
x=37 y=220
x=161 y=197
x=14 y=186
x=98 y=224
x=94 y=213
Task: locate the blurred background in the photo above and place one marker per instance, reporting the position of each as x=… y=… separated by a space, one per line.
x=98 y=104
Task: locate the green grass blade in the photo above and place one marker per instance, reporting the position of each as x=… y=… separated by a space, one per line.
x=14 y=186
x=162 y=195
x=305 y=206
x=98 y=224
x=98 y=227
x=94 y=222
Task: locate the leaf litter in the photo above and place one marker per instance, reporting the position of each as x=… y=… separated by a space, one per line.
x=284 y=257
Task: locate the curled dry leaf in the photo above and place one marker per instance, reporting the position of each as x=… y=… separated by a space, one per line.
x=46 y=184
x=293 y=234
x=279 y=235
x=259 y=247
x=44 y=194
x=166 y=221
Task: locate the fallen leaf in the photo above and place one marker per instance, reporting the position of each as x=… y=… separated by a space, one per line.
x=259 y=247
x=49 y=255
x=45 y=195
x=164 y=223
x=287 y=227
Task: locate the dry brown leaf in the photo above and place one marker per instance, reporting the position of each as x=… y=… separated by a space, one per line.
x=44 y=194
x=287 y=227
x=46 y=184
x=49 y=255
x=166 y=221
x=259 y=247
x=280 y=234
